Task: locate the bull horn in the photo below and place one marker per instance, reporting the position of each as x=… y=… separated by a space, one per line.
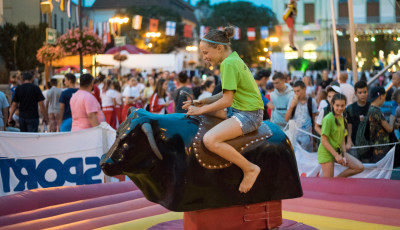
x=146 y=127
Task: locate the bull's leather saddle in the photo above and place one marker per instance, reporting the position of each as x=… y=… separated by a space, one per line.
x=211 y=160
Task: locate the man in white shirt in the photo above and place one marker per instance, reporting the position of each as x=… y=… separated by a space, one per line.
x=346 y=88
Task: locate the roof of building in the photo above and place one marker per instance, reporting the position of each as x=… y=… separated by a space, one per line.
x=183 y=8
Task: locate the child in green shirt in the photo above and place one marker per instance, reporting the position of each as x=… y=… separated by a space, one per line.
x=332 y=148
x=240 y=91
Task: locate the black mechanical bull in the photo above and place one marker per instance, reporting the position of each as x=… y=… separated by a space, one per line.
x=156 y=152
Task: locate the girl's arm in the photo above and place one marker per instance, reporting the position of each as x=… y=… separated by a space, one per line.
x=224 y=102
x=388 y=126
x=212 y=99
x=327 y=145
x=317 y=128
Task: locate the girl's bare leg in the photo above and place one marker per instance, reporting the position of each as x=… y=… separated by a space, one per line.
x=327 y=169
x=214 y=141
x=291 y=37
x=355 y=167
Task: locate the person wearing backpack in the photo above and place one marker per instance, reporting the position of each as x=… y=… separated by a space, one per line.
x=378 y=129
x=356 y=113
x=303 y=110
x=332 y=148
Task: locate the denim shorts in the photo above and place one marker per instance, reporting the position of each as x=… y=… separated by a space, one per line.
x=249 y=120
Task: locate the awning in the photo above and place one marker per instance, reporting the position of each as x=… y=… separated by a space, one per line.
x=73 y=61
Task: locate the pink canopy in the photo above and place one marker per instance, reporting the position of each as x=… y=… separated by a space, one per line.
x=131 y=49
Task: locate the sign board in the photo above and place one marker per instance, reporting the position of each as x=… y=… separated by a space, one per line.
x=120 y=41
x=51 y=36
x=52 y=159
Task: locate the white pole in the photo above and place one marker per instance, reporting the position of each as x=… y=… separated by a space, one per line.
x=1 y=12
x=352 y=42
x=335 y=41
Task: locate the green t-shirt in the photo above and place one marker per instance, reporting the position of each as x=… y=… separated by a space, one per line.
x=335 y=134
x=236 y=76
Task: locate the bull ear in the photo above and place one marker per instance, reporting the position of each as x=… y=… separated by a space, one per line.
x=146 y=128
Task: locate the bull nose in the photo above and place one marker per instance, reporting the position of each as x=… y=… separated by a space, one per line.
x=109 y=167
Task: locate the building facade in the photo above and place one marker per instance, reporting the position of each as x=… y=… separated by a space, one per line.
x=63 y=16
x=313 y=25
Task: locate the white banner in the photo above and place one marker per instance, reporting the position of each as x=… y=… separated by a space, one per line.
x=308 y=166
x=41 y=160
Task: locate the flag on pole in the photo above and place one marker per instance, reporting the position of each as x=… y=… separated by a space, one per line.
x=187 y=31
x=204 y=30
x=236 y=35
x=170 y=30
x=137 y=22
x=264 y=32
x=153 y=25
x=306 y=29
x=251 y=33
x=318 y=24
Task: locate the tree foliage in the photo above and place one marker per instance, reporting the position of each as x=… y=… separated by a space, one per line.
x=29 y=41
x=244 y=15
x=163 y=44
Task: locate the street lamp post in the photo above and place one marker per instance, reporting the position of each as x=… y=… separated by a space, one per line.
x=119 y=21
x=80 y=30
x=191 y=49
x=150 y=36
x=14 y=39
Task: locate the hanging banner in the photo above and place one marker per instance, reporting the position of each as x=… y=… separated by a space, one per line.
x=100 y=29
x=120 y=41
x=251 y=33
x=52 y=159
x=77 y=15
x=187 y=31
x=51 y=36
x=90 y=24
x=62 y=5
x=153 y=25
x=137 y=22
x=264 y=32
x=236 y=35
x=170 y=28
x=69 y=8
x=204 y=30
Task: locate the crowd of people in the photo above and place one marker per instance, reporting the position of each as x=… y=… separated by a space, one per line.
x=311 y=104
x=322 y=103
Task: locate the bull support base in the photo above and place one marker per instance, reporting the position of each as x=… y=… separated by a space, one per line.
x=265 y=215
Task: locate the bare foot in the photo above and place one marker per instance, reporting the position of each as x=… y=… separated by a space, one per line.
x=249 y=178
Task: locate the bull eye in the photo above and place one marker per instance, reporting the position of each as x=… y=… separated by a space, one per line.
x=125 y=145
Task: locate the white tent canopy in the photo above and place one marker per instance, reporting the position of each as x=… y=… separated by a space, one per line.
x=141 y=61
